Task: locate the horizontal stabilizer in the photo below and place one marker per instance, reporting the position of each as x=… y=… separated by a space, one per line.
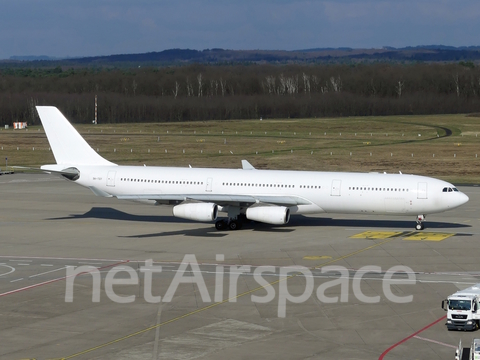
x=70 y=173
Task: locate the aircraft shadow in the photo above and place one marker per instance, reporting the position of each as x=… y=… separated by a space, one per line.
x=371 y=223
x=108 y=213
x=201 y=232
x=295 y=222
x=212 y=232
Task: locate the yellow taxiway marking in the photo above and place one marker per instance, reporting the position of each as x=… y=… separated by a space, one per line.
x=376 y=234
x=220 y=303
x=316 y=257
x=406 y=235
x=428 y=236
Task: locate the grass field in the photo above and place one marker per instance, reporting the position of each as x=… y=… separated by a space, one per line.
x=443 y=146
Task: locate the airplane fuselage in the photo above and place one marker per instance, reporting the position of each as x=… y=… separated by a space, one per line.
x=329 y=192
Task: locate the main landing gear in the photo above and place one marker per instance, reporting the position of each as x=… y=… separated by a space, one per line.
x=234 y=221
x=420 y=220
x=228 y=224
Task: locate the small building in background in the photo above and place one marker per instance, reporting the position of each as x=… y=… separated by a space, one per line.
x=19 y=125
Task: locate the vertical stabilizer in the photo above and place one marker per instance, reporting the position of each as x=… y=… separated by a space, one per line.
x=68 y=146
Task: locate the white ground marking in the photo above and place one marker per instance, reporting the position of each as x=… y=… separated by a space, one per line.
x=12 y=269
x=46 y=272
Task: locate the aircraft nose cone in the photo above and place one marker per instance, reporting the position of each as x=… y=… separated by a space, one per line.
x=458 y=199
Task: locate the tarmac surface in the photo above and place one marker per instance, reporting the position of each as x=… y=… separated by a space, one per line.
x=50 y=227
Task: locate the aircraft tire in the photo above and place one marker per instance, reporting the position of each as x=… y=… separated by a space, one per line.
x=234 y=225
x=221 y=225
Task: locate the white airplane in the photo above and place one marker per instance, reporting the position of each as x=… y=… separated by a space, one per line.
x=268 y=196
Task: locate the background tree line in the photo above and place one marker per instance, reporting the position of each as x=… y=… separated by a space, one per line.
x=222 y=92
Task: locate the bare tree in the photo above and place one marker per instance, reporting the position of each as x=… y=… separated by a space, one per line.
x=374 y=89
x=175 y=91
x=291 y=85
x=457 y=86
x=214 y=87
x=200 y=85
x=399 y=88
x=336 y=83
x=270 y=84
x=283 y=84
x=306 y=83
x=134 y=87
x=324 y=89
x=223 y=86
x=315 y=82
x=189 y=88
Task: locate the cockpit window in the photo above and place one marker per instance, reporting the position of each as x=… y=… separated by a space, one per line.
x=449 y=189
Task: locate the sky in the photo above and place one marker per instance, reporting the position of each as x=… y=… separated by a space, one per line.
x=62 y=28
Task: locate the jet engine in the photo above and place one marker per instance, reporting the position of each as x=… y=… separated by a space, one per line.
x=196 y=211
x=276 y=215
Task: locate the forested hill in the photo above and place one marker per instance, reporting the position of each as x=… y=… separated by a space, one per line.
x=432 y=53
x=305 y=56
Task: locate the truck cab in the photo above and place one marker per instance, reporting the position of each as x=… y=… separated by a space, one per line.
x=462 y=309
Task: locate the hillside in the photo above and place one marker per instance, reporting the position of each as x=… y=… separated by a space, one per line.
x=430 y=53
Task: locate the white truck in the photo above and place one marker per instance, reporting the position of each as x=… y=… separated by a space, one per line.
x=462 y=309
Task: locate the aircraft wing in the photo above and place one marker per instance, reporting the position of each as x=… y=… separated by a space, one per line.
x=220 y=199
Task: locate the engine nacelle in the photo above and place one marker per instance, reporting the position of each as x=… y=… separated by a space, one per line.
x=275 y=215
x=196 y=211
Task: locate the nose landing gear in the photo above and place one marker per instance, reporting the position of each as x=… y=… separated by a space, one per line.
x=420 y=220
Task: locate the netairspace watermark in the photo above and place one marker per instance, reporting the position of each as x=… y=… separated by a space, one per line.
x=189 y=272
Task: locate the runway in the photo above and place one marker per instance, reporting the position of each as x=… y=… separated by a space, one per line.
x=48 y=226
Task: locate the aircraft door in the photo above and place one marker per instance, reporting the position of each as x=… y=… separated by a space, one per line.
x=336 y=185
x=209 y=185
x=111 y=178
x=422 y=190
